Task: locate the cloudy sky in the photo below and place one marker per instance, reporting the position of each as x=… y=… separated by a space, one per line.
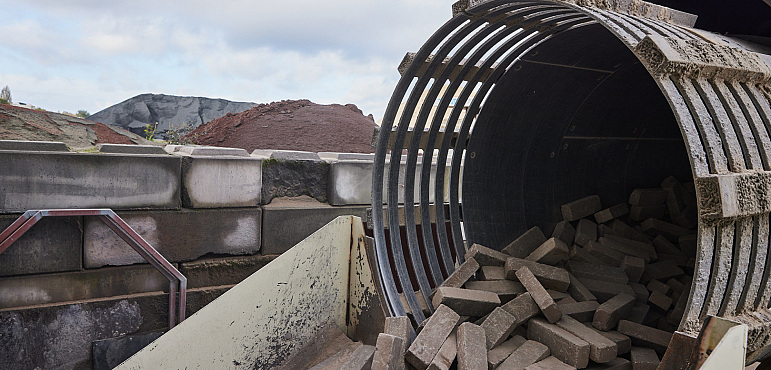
x=90 y=54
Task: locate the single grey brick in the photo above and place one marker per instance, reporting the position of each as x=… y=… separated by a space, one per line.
x=491 y=273
x=522 y=308
x=566 y=347
x=661 y=271
x=607 y=255
x=472 y=353
x=388 y=353
x=668 y=230
x=461 y=275
x=621 y=245
x=609 y=313
x=360 y=359
x=581 y=208
x=660 y=300
x=597 y=272
x=623 y=343
x=639 y=313
x=642 y=335
x=657 y=286
x=437 y=328
x=605 y=290
x=578 y=291
x=539 y=294
x=633 y=268
x=526 y=243
x=640 y=292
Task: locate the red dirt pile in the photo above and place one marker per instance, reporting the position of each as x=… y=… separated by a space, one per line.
x=17 y=123
x=291 y=125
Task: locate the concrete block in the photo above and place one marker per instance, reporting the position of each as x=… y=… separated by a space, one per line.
x=647 y=336
x=109 y=353
x=54 y=244
x=72 y=286
x=526 y=243
x=527 y=354
x=505 y=289
x=131 y=149
x=466 y=302
x=490 y=273
x=670 y=231
x=222 y=271
x=339 y=359
x=522 y=308
x=500 y=353
x=461 y=275
x=605 y=290
x=38 y=146
x=447 y=353
x=539 y=294
x=657 y=286
x=564 y=231
x=608 y=214
x=427 y=343
x=550 y=252
x=498 y=326
x=287 y=221
x=41 y=180
x=178 y=235
x=586 y=232
x=622 y=229
x=601 y=349
x=581 y=208
x=486 y=256
x=294 y=178
x=195 y=150
x=549 y=276
x=223 y=181
x=401 y=327
x=609 y=313
x=550 y=363
x=644 y=359
x=563 y=345
x=472 y=353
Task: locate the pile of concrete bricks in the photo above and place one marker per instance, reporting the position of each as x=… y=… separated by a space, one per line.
x=605 y=291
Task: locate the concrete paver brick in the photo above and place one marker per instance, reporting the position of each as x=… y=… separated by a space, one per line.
x=616 y=364
x=564 y=231
x=598 y=272
x=633 y=267
x=505 y=289
x=498 y=326
x=645 y=335
x=608 y=314
x=644 y=359
x=661 y=271
x=550 y=277
x=648 y=197
x=360 y=359
x=500 y=353
x=447 y=353
x=539 y=294
x=525 y=243
x=461 y=275
x=608 y=214
x=586 y=232
x=625 y=248
x=607 y=255
x=581 y=208
x=641 y=213
x=388 y=353
x=491 y=273
x=639 y=313
x=472 y=353
x=601 y=349
x=550 y=252
x=563 y=345
x=466 y=302
x=581 y=311
x=522 y=308
x=527 y=354
x=486 y=256
x=605 y=290
x=437 y=328
x=578 y=291
x=640 y=292
x=550 y=363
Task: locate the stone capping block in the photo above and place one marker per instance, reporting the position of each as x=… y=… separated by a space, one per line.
x=59 y=239
x=45 y=180
x=38 y=146
x=222 y=271
x=335 y=156
x=130 y=149
x=288 y=175
x=194 y=150
x=287 y=221
x=218 y=182
x=22 y=291
x=425 y=346
x=177 y=235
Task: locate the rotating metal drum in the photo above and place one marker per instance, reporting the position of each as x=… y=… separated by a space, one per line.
x=542 y=102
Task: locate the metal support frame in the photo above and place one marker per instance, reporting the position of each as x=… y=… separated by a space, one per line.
x=177 y=281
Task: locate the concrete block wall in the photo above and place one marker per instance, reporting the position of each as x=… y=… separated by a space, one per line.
x=217 y=214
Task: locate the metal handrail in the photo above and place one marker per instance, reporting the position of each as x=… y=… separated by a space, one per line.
x=177 y=281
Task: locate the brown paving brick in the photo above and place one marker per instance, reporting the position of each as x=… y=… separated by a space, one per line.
x=498 y=326
x=401 y=327
x=550 y=252
x=666 y=229
x=598 y=272
x=622 y=246
x=664 y=246
x=437 y=328
x=676 y=314
x=608 y=214
x=486 y=256
x=556 y=296
x=578 y=291
x=539 y=294
x=336 y=361
x=491 y=273
x=527 y=354
x=609 y=313
x=566 y=300
x=550 y=363
x=360 y=359
x=466 y=302
x=616 y=364
x=498 y=354
x=586 y=231
x=660 y=300
x=676 y=286
x=472 y=353
x=657 y=286
x=526 y=243
x=639 y=313
x=505 y=289
x=648 y=197
x=523 y=308
x=447 y=353
x=607 y=255
x=661 y=271
x=564 y=231
x=623 y=343
x=581 y=311
x=582 y=255
x=642 y=335
x=640 y=292
x=601 y=349
x=605 y=290
x=644 y=359
x=643 y=247
x=622 y=229
x=566 y=347
x=550 y=277
x=388 y=353
x=461 y=275
x=581 y=208
x=633 y=267
x=641 y=213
